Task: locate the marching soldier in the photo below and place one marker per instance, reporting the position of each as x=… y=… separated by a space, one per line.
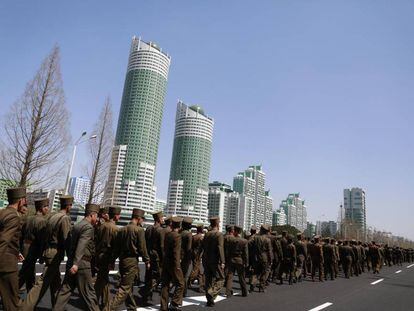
x=329 y=259
x=213 y=261
x=252 y=258
x=34 y=234
x=186 y=241
x=263 y=250
x=346 y=257
x=10 y=231
x=105 y=239
x=316 y=254
x=58 y=228
x=289 y=260
x=336 y=263
x=375 y=257
x=302 y=254
x=130 y=244
x=196 y=254
x=277 y=255
x=154 y=237
x=237 y=261
x=171 y=272
x=357 y=258
x=78 y=268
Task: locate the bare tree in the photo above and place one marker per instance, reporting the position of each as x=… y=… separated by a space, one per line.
x=37 y=129
x=100 y=152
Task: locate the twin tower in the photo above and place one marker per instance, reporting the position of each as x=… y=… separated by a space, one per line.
x=131 y=180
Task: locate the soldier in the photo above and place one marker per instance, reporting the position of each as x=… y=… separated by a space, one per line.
x=316 y=254
x=171 y=271
x=252 y=258
x=154 y=247
x=34 y=234
x=186 y=241
x=336 y=263
x=375 y=257
x=277 y=255
x=10 y=230
x=263 y=249
x=388 y=255
x=237 y=261
x=363 y=257
x=213 y=261
x=357 y=258
x=58 y=228
x=346 y=256
x=289 y=260
x=328 y=259
x=302 y=254
x=78 y=268
x=196 y=254
x=130 y=244
x=105 y=239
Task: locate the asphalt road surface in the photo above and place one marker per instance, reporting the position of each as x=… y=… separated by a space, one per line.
x=392 y=289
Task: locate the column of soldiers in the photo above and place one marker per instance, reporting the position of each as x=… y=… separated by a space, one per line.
x=174 y=258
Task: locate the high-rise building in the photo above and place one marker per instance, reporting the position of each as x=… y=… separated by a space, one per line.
x=52 y=194
x=279 y=218
x=223 y=202
x=355 y=210
x=160 y=205
x=268 y=216
x=134 y=158
x=79 y=188
x=310 y=230
x=250 y=184
x=4 y=185
x=190 y=164
x=327 y=228
x=295 y=210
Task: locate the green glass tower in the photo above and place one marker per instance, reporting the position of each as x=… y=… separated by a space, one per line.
x=134 y=158
x=190 y=164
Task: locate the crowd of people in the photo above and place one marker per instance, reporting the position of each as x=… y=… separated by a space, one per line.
x=175 y=258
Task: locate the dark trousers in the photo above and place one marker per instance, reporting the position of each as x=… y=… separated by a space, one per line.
x=152 y=276
x=185 y=268
x=9 y=291
x=175 y=276
x=329 y=269
x=317 y=265
x=346 y=265
x=214 y=280
x=102 y=284
x=196 y=273
x=231 y=269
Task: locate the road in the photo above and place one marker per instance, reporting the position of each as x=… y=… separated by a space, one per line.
x=392 y=289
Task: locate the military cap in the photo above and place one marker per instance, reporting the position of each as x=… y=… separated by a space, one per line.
x=65 y=200
x=176 y=221
x=92 y=208
x=284 y=232
x=253 y=228
x=114 y=210
x=137 y=212
x=229 y=228
x=200 y=226
x=265 y=228
x=298 y=234
x=41 y=203
x=214 y=221
x=187 y=220
x=157 y=215
x=167 y=220
x=238 y=229
x=16 y=193
x=103 y=210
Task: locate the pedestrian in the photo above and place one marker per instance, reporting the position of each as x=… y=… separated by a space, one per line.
x=316 y=254
x=196 y=254
x=10 y=231
x=263 y=249
x=301 y=255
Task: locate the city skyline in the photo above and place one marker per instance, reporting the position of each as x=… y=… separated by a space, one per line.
x=323 y=120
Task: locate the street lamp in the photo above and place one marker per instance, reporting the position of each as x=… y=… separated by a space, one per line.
x=78 y=142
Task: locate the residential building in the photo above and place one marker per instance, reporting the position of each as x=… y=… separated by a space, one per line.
x=134 y=157
x=4 y=185
x=328 y=228
x=79 y=188
x=160 y=205
x=279 y=218
x=268 y=211
x=355 y=210
x=295 y=210
x=190 y=164
x=310 y=230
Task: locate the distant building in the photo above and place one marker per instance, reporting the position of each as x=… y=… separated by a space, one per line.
x=190 y=164
x=223 y=202
x=355 y=210
x=52 y=194
x=295 y=210
x=79 y=188
x=4 y=185
x=310 y=230
x=279 y=218
x=328 y=228
x=160 y=205
x=268 y=216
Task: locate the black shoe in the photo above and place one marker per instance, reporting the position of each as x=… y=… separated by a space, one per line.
x=210 y=303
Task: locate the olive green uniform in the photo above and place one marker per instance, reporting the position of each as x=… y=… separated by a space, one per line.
x=81 y=252
x=186 y=241
x=196 y=254
x=329 y=260
x=316 y=254
x=10 y=230
x=58 y=228
x=263 y=252
x=130 y=244
x=237 y=261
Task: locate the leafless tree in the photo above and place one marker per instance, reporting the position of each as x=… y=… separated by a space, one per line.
x=37 y=129
x=100 y=152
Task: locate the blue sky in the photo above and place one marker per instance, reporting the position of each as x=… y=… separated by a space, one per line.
x=318 y=92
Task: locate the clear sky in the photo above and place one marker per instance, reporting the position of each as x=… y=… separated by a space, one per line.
x=318 y=92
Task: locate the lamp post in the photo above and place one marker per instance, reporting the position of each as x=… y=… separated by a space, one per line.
x=78 y=142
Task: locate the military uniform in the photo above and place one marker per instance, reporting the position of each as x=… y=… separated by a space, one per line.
x=316 y=254
x=171 y=272
x=58 y=229
x=237 y=261
x=263 y=250
x=301 y=255
x=186 y=241
x=375 y=257
x=82 y=250
x=129 y=246
x=33 y=238
x=105 y=239
x=10 y=230
x=346 y=256
x=196 y=254
x=329 y=259
x=213 y=259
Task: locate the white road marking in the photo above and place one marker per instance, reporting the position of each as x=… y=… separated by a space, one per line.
x=410 y=266
x=323 y=306
x=399 y=271
x=377 y=281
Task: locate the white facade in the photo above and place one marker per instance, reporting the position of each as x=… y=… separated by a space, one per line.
x=79 y=188
x=279 y=218
x=268 y=210
x=160 y=205
x=295 y=210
